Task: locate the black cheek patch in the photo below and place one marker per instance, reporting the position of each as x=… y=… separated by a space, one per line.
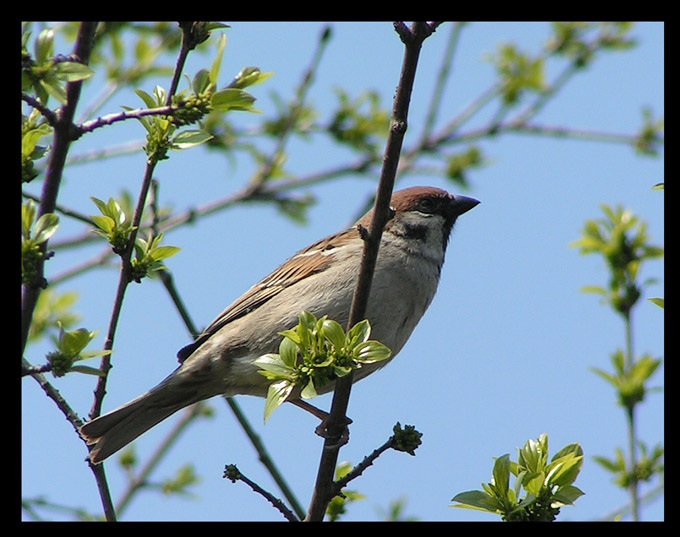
x=415 y=232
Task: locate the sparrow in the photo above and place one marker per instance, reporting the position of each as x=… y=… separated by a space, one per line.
x=319 y=279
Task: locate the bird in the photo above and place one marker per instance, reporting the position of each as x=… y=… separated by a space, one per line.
x=319 y=279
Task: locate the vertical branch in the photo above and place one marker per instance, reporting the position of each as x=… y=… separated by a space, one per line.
x=630 y=418
x=124 y=280
x=64 y=134
x=412 y=39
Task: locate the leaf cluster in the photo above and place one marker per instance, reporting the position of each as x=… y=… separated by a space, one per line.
x=70 y=347
x=548 y=486
x=193 y=104
x=33 y=235
x=314 y=353
x=518 y=72
x=148 y=256
x=53 y=310
x=575 y=39
x=648 y=465
x=355 y=127
x=44 y=73
x=622 y=240
x=629 y=382
x=33 y=128
x=115 y=226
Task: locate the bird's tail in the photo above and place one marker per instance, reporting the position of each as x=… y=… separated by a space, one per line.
x=113 y=431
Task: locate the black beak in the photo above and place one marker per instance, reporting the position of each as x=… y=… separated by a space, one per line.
x=461 y=204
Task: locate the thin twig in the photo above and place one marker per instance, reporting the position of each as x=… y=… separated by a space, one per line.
x=359 y=468
x=265 y=458
x=232 y=473
x=110 y=119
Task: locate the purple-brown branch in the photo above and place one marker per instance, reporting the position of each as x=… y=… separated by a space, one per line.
x=412 y=38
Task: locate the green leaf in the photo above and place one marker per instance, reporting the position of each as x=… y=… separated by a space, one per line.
x=657 y=301
x=163 y=252
x=613 y=466
x=565 y=465
x=201 y=81
x=477 y=499
x=360 y=332
x=232 y=99
x=73 y=342
x=565 y=470
x=595 y=289
x=86 y=355
x=87 y=370
x=272 y=363
x=309 y=391
x=606 y=376
x=72 y=71
x=44 y=46
x=190 y=138
x=370 y=352
x=533 y=455
x=27 y=217
x=148 y=100
x=215 y=67
x=501 y=475
x=307 y=320
x=45 y=227
x=249 y=76
x=334 y=332
x=292 y=335
x=288 y=351
x=105 y=223
x=533 y=482
x=276 y=395
x=567 y=494
x=54 y=88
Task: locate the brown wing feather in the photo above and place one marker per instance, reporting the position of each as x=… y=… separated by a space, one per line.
x=306 y=262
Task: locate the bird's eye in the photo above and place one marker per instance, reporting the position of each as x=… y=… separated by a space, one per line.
x=426 y=205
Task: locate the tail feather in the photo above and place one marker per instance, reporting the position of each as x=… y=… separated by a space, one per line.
x=113 y=431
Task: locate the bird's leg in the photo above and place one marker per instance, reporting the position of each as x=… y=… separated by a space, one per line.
x=323 y=416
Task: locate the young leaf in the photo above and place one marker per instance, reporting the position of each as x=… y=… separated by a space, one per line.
x=232 y=99
x=334 y=333
x=45 y=227
x=477 y=499
x=370 y=352
x=276 y=395
x=190 y=138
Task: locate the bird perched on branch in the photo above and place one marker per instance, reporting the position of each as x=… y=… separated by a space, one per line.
x=320 y=279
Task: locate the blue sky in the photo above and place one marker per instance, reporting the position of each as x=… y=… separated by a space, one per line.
x=502 y=355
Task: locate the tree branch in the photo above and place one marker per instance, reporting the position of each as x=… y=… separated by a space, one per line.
x=61 y=143
x=413 y=39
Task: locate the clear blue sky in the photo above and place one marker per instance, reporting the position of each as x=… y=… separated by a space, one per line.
x=502 y=355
